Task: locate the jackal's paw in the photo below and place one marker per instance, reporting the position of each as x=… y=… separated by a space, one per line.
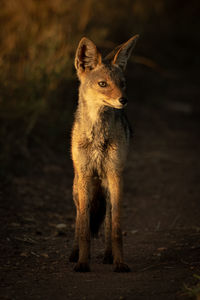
x=108 y=258
x=82 y=267
x=74 y=256
x=121 y=268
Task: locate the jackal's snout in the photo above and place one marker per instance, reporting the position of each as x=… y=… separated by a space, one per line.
x=123 y=100
x=120 y=100
x=116 y=99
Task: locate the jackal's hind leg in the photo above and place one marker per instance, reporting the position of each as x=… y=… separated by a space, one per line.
x=74 y=255
x=108 y=257
x=75 y=250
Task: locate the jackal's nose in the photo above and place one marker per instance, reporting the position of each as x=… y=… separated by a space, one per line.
x=123 y=100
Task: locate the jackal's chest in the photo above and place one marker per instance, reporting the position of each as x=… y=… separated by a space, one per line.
x=99 y=148
x=96 y=148
x=99 y=151
x=101 y=155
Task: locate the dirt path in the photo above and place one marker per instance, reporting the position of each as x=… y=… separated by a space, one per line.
x=160 y=221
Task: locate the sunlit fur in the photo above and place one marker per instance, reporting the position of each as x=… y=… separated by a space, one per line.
x=100 y=139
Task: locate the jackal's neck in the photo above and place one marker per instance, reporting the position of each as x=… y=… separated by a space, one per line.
x=90 y=111
x=96 y=121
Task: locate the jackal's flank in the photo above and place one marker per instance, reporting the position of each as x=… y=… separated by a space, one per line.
x=100 y=139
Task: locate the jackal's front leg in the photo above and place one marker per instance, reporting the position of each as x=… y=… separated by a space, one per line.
x=84 y=191
x=115 y=188
x=75 y=251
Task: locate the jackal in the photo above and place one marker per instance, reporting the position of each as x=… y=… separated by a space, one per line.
x=100 y=138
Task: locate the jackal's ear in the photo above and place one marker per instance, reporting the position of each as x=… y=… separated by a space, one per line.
x=121 y=53
x=87 y=56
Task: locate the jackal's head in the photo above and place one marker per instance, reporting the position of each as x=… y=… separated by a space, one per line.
x=102 y=80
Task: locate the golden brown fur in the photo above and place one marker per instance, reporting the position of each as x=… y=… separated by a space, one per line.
x=100 y=139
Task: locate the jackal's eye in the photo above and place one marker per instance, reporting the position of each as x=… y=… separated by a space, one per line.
x=102 y=83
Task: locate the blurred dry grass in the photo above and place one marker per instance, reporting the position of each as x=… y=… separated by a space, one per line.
x=37 y=44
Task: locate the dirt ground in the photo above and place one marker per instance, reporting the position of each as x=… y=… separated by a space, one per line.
x=161 y=216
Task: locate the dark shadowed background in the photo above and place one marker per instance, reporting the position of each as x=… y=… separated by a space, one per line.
x=37 y=78
x=38 y=97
